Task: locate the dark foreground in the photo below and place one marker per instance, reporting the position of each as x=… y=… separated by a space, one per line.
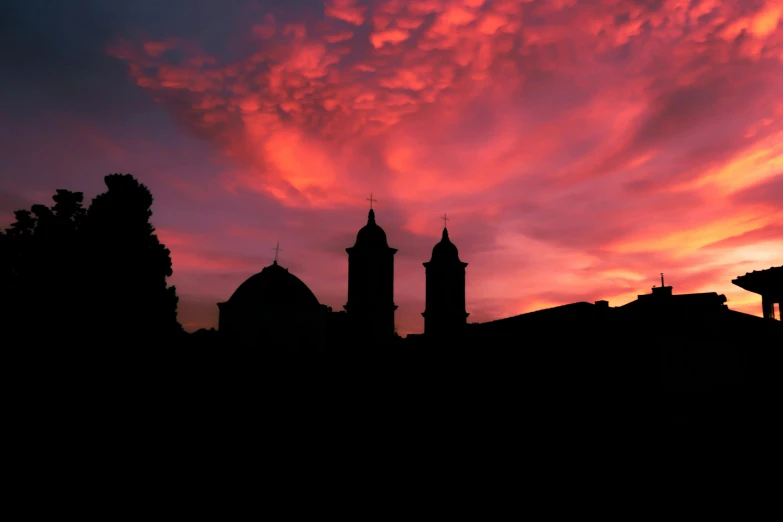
x=558 y=388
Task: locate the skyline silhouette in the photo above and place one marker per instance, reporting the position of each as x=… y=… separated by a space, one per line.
x=84 y=248
x=764 y=282
x=337 y=223
x=578 y=149
x=85 y=300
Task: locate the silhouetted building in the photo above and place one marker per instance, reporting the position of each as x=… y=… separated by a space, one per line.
x=275 y=309
x=444 y=308
x=685 y=342
x=663 y=307
x=659 y=314
x=370 y=307
x=672 y=342
x=769 y=285
x=203 y=338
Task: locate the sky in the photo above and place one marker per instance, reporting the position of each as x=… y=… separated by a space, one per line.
x=579 y=148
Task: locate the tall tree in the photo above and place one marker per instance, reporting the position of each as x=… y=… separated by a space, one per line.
x=128 y=266
x=95 y=277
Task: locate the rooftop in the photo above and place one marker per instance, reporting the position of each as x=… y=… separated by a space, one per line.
x=762 y=282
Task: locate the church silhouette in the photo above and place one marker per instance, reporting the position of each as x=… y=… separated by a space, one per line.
x=694 y=339
x=275 y=309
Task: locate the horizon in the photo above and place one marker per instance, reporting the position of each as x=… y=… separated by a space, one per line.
x=578 y=150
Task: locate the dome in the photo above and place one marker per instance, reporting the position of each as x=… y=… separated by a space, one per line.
x=445 y=250
x=371 y=235
x=275 y=287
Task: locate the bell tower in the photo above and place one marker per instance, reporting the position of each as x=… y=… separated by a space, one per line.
x=444 y=314
x=370 y=307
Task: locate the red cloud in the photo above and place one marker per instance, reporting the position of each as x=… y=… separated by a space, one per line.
x=626 y=136
x=155 y=49
x=392 y=36
x=345 y=10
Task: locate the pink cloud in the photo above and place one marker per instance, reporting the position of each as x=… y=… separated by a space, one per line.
x=606 y=137
x=389 y=36
x=338 y=37
x=155 y=49
x=346 y=10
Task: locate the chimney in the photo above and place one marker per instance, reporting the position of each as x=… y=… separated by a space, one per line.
x=663 y=289
x=604 y=305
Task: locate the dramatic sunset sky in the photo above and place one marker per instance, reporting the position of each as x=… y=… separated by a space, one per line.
x=579 y=148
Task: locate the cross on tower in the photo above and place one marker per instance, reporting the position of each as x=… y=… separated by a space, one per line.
x=277 y=250
x=444 y=218
x=370 y=199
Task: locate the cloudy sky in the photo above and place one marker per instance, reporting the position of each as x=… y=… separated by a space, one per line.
x=579 y=148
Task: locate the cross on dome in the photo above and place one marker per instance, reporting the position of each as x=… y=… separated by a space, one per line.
x=277 y=251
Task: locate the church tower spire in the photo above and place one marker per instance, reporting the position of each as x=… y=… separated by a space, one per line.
x=444 y=314
x=370 y=307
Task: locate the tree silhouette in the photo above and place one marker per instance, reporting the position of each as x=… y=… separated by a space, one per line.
x=95 y=277
x=39 y=267
x=128 y=266
x=16 y=246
